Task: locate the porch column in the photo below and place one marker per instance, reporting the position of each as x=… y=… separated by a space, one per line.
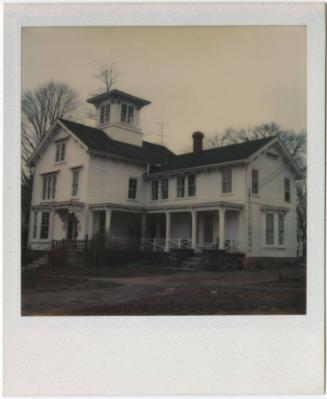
x=108 y=222
x=194 y=229
x=167 y=246
x=85 y=222
x=143 y=229
x=89 y=228
x=221 y=228
x=52 y=223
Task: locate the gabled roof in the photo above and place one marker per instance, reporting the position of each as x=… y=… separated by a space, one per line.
x=117 y=94
x=214 y=156
x=97 y=140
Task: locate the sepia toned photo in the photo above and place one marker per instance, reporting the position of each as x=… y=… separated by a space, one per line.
x=163 y=171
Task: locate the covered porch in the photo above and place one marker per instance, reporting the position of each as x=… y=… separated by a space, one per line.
x=197 y=228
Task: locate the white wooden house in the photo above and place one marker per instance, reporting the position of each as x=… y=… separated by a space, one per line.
x=109 y=181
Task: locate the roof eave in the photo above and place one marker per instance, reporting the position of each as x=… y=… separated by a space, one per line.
x=196 y=168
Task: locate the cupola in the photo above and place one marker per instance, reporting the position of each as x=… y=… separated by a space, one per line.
x=117 y=114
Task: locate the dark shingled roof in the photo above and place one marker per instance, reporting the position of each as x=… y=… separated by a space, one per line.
x=229 y=153
x=96 y=139
x=118 y=94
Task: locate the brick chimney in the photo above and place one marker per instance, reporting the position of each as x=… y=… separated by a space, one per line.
x=197 y=141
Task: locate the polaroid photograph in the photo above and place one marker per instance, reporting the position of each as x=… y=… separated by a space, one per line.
x=169 y=162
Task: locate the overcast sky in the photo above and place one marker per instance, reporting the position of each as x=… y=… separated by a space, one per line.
x=197 y=78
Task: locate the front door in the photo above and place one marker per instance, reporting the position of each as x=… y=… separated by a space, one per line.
x=72 y=227
x=208 y=229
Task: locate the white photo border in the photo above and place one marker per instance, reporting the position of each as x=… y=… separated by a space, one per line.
x=155 y=355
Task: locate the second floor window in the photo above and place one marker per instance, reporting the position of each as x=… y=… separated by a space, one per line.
x=127 y=114
x=132 y=188
x=60 y=151
x=255 y=181
x=191 y=186
x=155 y=189
x=105 y=113
x=180 y=186
x=45 y=225
x=287 y=189
x=49 y=186
x=269 y=228
x=227 y=180
x=75 y=182
x=164 y=189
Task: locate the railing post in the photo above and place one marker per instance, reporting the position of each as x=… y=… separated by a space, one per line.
x=86 y=242
x=179 y=243
x=154 y=244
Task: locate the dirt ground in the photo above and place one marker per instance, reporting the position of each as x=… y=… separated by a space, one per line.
x=135 y=290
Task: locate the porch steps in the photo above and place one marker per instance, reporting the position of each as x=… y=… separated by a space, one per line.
x=192 y=262
x=41 y=261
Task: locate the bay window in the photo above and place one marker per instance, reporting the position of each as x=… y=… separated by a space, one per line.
x=45 y=225
x=281 y=229
x=269 y=229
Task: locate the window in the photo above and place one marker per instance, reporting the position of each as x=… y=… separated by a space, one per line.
x=227 y=180
x=60 y=151
x=155 y=190
x=45 y=225
x=127 y=114
x=49 y=186
x=269 y=228
x=191 y=185
x=255 y=181
x=287 y=190
x=281 y=229
x=130 y=115
x=164 y=188
x=75 y=182
x=123 y=114
x=34 y=235
x=132 y=188
x=180 y=187
x=104 y=113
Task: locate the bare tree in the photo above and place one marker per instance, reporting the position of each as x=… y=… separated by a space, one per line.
x=40 y=108
x=295 y=142
x=106 y=74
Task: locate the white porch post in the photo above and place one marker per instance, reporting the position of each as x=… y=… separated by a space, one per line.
x=194 y=229
x=221 y=228
x=143 y=229
x=108 y=222
x=89 y=229
x=167 y=240
x=52 y=222
x=85 y=222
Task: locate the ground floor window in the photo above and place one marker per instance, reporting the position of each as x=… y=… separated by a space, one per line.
x=281 y=229
x=45 y=225
x=269 y=228
x=35 y=214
